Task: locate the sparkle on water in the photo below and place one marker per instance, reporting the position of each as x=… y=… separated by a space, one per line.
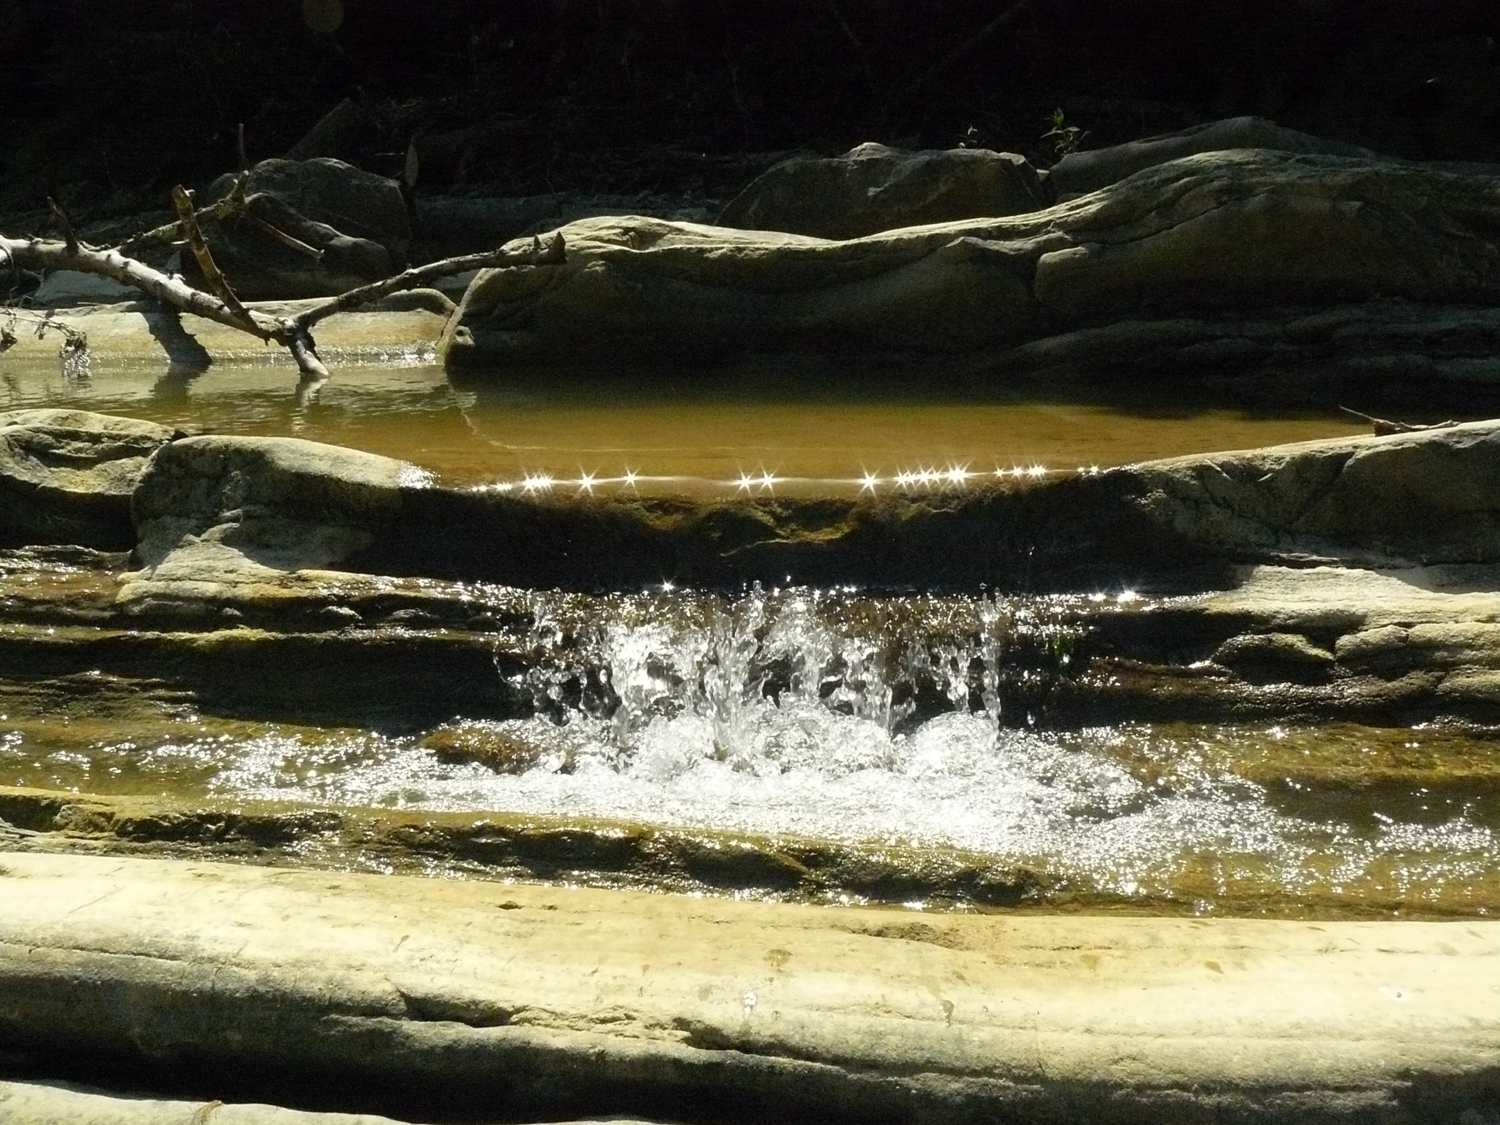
x=828 y=715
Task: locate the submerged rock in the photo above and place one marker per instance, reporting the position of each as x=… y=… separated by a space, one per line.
x=1213 y=233
x=67 y=476
x=493 y=746
x=872 y=188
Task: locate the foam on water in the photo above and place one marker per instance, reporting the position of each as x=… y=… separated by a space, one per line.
x=791 y=713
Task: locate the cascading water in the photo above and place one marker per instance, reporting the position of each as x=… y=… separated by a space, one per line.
x=829 y=715
x=825 y=715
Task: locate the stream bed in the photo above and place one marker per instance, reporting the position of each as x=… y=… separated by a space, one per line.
x=914 y=722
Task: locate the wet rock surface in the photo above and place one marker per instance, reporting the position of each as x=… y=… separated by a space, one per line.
x=1347 y=577
x=1424 y=498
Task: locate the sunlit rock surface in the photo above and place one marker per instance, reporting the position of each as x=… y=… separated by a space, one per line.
x=1211 y=233
x=546 y=1002
x=66 y=476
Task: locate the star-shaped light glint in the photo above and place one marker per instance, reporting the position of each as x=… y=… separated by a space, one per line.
x=957 y=474
x=629 y=478
x=537 y=482
x=868 y=482
x=585 y=482
x=745 y=481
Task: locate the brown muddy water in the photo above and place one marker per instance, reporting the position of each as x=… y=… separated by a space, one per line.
x=666 y=434
x=683 y=732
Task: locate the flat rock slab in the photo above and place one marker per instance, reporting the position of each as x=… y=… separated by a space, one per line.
x=519 y=1000
x=32 y=1103
x=66 y=476
x=407 y=324
x=36 y=1103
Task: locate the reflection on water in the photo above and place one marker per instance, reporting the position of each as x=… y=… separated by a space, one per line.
x=827 y=716
x=832 y=432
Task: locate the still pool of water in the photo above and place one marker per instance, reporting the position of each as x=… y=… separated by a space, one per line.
x=673 y=433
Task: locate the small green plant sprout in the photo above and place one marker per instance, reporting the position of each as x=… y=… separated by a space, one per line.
x=1065 y=138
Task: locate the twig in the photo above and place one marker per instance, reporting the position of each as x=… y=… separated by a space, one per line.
x=1385 y=426
x=280 y=235
x=169 y=233
x=60 y=213
x=196 y=243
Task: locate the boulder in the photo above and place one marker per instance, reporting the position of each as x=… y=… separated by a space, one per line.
x=1226 y=232
x=358 y=221
x=1432 y=496
x=1081 y=172
x=66 y=476
x=872 y=188
x=210 y=508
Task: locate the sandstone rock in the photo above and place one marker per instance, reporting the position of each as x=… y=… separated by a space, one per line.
x=1081 y=172
x=69 y=287
x=1216 y=232
x=873 y=188
x=1419 y=498
x=498 y=1000
x=207 y=507
x=358 y=221
x=493 y=746
x=1423 y=498
x=66 y=476
x=27 y=1103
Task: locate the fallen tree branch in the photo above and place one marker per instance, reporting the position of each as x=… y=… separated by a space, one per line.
x=199 y=246
x=554 y=253
x=291 y=332
x=1384 y=426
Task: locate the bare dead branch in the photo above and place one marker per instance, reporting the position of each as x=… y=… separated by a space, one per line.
x=293 y=333
x=199 y=246
x=1384 y=426
x=280 y=235
x=169 y=234
x=552 y=254
x=60 y=213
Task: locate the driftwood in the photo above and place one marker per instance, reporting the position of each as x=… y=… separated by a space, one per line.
x=1383 y=426
x=292 y=332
